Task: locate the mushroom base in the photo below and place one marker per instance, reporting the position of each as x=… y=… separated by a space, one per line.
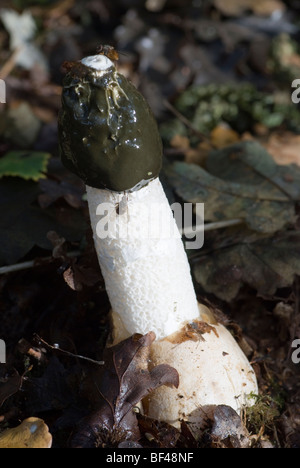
x=212 y=369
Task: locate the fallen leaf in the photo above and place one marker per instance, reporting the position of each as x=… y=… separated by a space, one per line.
x=285 y=148
x=228 y=430
x=158 y=433
x=124 y=381
x=79 y=275
x=54 y=190
x=32 y=433
x=239 y=7
x=27 y=165
x=241 y=182
x=290 y=424
x=223 y=136
x=59 y=245
x=249 y=163
x=265 y=264
x=191 y=155
x=10 y=383
x=267 y=7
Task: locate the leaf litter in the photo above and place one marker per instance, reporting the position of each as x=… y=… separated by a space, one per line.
x=240 y=181
x=125 y=381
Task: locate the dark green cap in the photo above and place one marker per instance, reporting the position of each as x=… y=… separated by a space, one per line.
x=107 y=133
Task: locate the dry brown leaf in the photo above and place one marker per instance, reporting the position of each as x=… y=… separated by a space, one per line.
x=32 y=433
x=180 y=141
x=267 y=7
x=284 y=148
x=223 y=135
x=228 y=430
x=192 y=155
x=124 y=381
x=238 y=7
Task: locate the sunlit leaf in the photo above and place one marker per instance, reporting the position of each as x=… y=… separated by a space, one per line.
x=28 y=165
x=32 y=433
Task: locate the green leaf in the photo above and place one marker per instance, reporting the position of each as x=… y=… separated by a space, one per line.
x=243 y=182
x=28 y=165
x=265 y=264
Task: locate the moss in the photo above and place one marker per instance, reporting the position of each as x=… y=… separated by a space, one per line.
x=240 y=106
x=264 y=413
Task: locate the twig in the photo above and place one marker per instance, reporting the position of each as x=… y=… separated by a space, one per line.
x=184 y=231
x=210 y=226
x=187 y=123
x=32 y=263
x=68 y=353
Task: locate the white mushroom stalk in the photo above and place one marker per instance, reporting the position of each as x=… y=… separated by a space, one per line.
x=142 y=259
x=108 y=136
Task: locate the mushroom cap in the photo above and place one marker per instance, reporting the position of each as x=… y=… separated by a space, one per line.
x=107 y=132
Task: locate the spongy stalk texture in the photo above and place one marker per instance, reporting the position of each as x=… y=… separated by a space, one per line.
x=142 y=259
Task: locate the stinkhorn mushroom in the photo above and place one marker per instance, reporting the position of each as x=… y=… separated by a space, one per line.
x=109 y=138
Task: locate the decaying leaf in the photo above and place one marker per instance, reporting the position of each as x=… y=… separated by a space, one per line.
x=285 y=148
x=241 y=181
x=249 y=163
x=79 y=275
x=159 y=433
x=54 y=190
x=228 y=430
x=238 y=7
x=125 y=380
x=265 y=264
x=10 y=383
x=223 y=135
x=32 y=433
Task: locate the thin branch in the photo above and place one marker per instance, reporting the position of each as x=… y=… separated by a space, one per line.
x=184 y=231
x=68 y=353
x=210 y=226
x=187 y=123
x=32 y=263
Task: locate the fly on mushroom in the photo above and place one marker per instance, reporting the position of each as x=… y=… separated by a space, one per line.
x=109 y=52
